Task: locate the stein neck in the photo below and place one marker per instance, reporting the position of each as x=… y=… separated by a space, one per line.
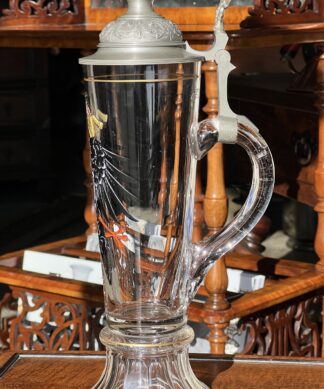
x=140 y=8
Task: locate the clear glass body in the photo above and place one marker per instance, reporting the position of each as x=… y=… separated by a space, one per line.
x=145 y=138
x=143 y=173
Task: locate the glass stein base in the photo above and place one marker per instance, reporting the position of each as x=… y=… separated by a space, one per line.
x=148 y=362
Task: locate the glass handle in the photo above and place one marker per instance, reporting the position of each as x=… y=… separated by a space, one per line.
x=248 y=137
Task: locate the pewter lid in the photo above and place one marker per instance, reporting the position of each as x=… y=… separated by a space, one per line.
x=141 y=36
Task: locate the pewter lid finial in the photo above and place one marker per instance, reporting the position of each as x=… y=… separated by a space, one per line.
x=140 y=26
x=140 y=36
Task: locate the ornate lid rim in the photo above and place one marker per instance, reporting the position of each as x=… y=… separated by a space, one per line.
x=144 y=44
x=147 y=30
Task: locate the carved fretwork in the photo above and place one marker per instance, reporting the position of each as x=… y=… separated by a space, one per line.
x=319 y=171
x=44 y=11
x=54 y=323
x=282 y=7
x=96 y=320
x=277 y=12
x=8 y=309
x=292 y=330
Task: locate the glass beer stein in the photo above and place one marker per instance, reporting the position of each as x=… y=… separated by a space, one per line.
x=142 y=109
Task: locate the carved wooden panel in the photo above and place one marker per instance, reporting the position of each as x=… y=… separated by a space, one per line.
x=54 y=323
x=279 y=12
x=292 y=330
x=96 y=320
x=289 y=110
x=42 y=11
x=8 y=308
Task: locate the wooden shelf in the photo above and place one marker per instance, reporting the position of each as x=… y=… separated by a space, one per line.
x=86 y=36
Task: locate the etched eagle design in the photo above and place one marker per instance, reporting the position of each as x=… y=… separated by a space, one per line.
x=109 y=182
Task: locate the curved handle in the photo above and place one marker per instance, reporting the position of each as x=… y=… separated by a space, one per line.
x=209 y=250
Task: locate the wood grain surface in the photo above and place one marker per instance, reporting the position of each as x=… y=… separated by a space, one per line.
x=41 y=371
x=86 y=36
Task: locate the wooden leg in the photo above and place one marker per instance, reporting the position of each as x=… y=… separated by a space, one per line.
x=322 y=351
x=252 y=243
x=216 y=285
x=215 y=211
x=319 y=171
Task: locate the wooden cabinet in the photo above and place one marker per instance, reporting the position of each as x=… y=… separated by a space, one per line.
x=24 y=115
x=288 y=120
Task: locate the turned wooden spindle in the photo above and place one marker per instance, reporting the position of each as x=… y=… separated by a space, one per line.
x=215 y=211
x=319 y=171
x=322 y=350
x=89 y=211
x=252 y=243
x=163 y=175
x=197 y=233
x=175 y=175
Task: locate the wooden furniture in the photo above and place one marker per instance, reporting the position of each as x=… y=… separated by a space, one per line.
x=294 y=286
x=278 y=316
x=269 y=13
x=42 y=12
x=24 y=107
x=39 y=371
x=270 y=329
x=72 y=311
x=29 y=13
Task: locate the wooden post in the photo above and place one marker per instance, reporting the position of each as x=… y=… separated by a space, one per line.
x=322 y=350
x=319 y=171
x=175 y=175
x=215 y=211
x=197 y=233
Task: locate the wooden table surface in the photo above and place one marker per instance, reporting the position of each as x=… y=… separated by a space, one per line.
x=40 y=371
x=86 y=36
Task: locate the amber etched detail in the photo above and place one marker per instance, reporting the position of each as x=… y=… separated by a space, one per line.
x=293 y=330
x=54 y=323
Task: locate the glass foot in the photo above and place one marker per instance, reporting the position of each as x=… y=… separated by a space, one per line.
x=148 y=362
